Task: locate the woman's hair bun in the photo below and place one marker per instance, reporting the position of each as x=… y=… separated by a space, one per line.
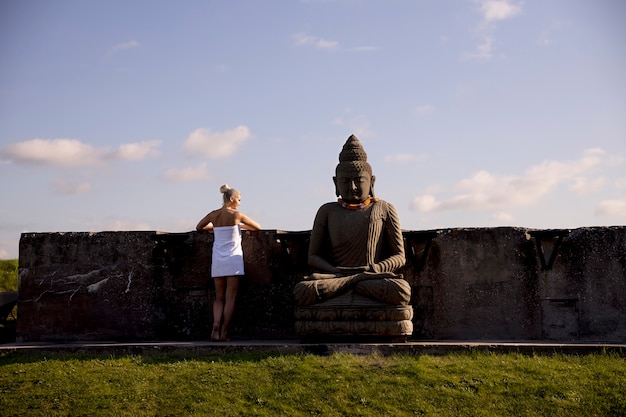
x=224 y=188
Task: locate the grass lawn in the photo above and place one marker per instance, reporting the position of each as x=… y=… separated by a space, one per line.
x=8 y=274
x=8 y=282
x=471 y=384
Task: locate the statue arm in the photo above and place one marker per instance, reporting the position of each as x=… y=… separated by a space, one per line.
x=318 y=262
x=318 y=235
x=394 y=242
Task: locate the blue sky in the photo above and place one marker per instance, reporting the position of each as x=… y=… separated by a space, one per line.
x=129 y=115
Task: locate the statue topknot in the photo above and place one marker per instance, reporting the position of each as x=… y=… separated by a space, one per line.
x=353 y=157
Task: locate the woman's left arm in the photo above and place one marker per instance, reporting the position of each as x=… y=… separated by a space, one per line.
x=248 y=224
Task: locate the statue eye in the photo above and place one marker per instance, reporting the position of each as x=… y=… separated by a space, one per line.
x=355 y=180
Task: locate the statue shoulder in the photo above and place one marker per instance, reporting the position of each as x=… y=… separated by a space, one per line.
x=386 y=210
x=385 y=205
x=324 y=210
x=326 y=207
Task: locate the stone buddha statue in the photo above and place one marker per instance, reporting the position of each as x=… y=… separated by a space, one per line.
x=355 y=248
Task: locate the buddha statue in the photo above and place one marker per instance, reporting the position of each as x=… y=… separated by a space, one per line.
x=356 y=246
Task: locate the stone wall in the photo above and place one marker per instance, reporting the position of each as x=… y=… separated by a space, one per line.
x=468 y=284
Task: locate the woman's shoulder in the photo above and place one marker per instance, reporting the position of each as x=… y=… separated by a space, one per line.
x=239 y=216
x=215 y=212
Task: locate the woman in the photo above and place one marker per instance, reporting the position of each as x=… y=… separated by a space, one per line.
x=227 y=263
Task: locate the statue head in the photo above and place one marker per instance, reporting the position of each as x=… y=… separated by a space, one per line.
x=353 y=178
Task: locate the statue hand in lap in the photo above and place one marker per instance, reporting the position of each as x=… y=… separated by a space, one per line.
x=356 y=242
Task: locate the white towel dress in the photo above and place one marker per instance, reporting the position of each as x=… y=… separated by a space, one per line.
x=227 y=252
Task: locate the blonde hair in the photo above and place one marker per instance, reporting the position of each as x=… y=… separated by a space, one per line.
x=228 y=192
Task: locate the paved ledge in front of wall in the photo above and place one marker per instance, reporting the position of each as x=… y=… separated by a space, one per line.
x=294 y=347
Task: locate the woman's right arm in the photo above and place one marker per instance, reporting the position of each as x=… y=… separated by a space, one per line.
x=206 y=222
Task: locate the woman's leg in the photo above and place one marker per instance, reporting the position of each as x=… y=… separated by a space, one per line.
x=232 y=286
x=218 y=306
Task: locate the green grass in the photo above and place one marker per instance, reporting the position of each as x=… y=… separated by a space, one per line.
x=8 y=282
x=472 y=384
x=8 y=275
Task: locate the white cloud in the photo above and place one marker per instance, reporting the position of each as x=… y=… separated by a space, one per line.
x=302 y=39
x=493 y=10
x=356 y=123
x=612 y=208
x=502 y=217
x=547 y=37
x=402 y=158
x=425 y=203
x=121 y=47
x=4 y=254
x=621 y=183
x=70 y=153
x=137 y=151
x=188 y=174
x=584 y=185
x=483 y=51
x=424 y=109
x=57 y=152
x=115 y=225
x=70 y=188
x=484 y=191
x=216 y=144
x=223 y=68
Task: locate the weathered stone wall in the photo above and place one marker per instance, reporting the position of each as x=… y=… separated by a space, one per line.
x=482 y=284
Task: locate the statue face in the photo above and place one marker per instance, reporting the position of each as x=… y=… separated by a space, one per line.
x=354 y=187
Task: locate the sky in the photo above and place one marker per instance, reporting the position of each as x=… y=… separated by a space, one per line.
x=129 y=115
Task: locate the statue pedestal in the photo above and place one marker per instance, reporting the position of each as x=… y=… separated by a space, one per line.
x=351 y=314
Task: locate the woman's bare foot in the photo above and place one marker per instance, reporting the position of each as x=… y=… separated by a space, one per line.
x=215 y=334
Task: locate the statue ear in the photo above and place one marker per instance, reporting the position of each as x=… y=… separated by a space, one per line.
x=336 y=189
x=372 y=186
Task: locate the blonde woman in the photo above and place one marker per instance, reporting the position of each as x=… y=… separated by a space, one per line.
x=227 y=264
